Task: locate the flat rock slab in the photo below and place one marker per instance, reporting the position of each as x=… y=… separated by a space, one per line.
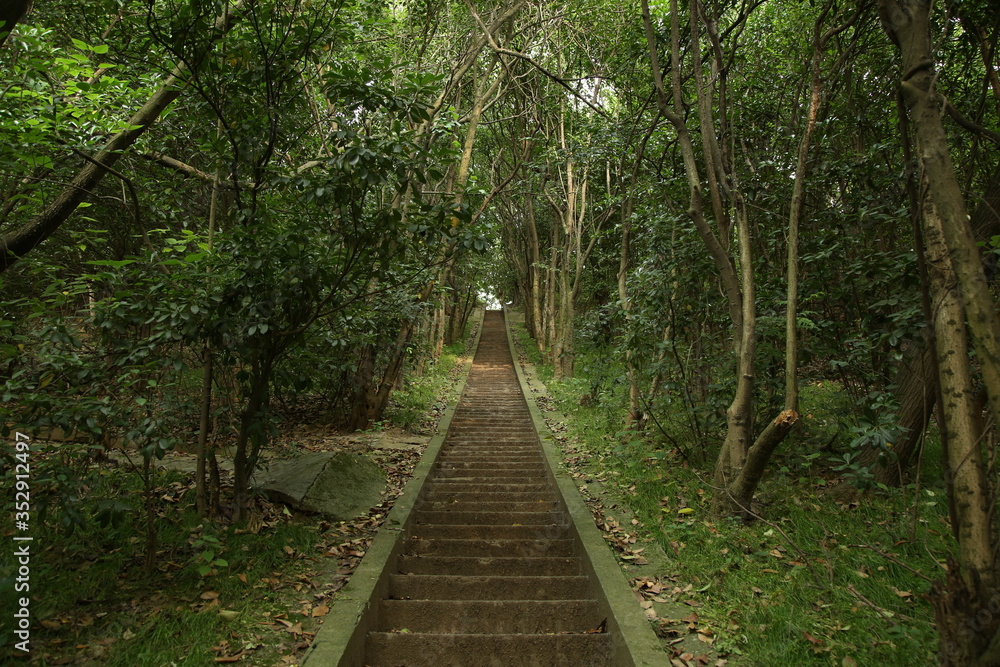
x=338 y=485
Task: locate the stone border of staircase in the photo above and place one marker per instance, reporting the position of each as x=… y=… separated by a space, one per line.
x=634 y=642
x=340 y=641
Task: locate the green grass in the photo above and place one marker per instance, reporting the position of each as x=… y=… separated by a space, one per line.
x=410 y=405
x=827 y=577
x=90 y=590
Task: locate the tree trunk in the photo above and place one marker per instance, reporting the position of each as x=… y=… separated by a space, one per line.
x=957 y=280
x=11 y=12
x=393 y=373
x=634 y=417
x=908 y=24
x=916 y=390
x=249 y=439
x=214 y=484
x=534 y=272
x=550 y=296
x=971 y=506
x=149 y=493
x=739 y=415
x=364 y=390
x=204 y=425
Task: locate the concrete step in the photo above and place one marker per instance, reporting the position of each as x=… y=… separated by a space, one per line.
x=480 y=464
x=459 y=486
x=497 y=548
x=540 y=505
x=489 y=448
x=464 y=587
x=490 y=421
x=501 y=567
x=413 y=649
x=487 y=475
x=498 y=456
x=524 y=434
x=488 y=496
x=489 y=616
x=493 y=518
x=480 y=532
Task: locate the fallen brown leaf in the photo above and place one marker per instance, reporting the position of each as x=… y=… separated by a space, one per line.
x=812 y=640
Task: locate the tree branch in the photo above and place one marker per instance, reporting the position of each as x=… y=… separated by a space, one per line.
x=516 y=54
x=183 y=168
x=969 y=125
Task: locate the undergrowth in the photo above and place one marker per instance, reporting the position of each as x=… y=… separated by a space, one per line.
x=217 y=592
x=411 y=404
x=93 y=602
x=828 y=576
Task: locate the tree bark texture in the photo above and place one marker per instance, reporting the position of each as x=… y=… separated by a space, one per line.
x=249 y=439
x=908 y=23
x=950 y=242
x=961 y=296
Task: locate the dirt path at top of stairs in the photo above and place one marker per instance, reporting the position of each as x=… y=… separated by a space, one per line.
x=489 y=574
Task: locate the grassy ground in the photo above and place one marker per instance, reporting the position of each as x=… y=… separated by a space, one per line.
x=267 y=589
x=830 y=576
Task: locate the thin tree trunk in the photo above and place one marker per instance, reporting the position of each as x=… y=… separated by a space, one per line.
x=364 y=391
x=961 y=295
x=248 y=440
x=739 y=415
x=204 y=425
x=205 y=420
x=534 y=271
x=393 y=373
x=214 y=484
x=483 y=92
x=908 y=25
x=149 y=488
x=795 y=213
x=634 y=417
x=550 y=296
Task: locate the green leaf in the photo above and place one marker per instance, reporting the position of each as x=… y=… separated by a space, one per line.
x=115 y=263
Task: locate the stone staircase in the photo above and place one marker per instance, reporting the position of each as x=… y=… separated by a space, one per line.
x=490 y=574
